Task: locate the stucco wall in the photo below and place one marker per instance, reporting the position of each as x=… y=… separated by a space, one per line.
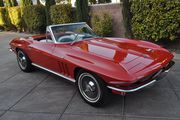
x=115 y=10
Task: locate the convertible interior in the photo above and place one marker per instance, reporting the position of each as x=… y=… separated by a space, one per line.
x=62 y=38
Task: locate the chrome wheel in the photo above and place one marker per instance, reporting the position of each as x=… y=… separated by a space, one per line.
x=22 y=60
x=89 y=87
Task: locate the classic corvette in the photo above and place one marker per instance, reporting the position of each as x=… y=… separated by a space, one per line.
x=98 y=65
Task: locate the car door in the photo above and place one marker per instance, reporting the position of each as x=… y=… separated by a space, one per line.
x=41 y=53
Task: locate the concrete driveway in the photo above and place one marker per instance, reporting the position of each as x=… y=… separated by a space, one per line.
x=43 y=96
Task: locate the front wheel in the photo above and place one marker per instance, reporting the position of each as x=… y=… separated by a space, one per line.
x=23 y=61
x=92 y=89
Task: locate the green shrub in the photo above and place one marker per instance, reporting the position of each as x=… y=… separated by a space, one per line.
x=92 y=2
x=104 y=1
x=50 y=3
x=156 y=19
x=102 y=25
x=14 y=2
x=15 y=17
x=26 y=2
x=1 y=3
x=34 y=18
x=61 y=13
x=2 y=17
x=8 y=3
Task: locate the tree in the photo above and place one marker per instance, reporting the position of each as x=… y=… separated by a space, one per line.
x=127 y=17
x=92 y=2
x=1 y=3
x=49 y=3
x=38 y=2
x=82 y=10
x=14 y=3
x=104 y=1
x=8 y=3
x=26 y=2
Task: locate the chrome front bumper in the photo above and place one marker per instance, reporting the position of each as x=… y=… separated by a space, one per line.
x=157 y=76
x=132 y=90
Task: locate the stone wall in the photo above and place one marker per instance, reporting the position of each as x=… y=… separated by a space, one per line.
x=115 y=10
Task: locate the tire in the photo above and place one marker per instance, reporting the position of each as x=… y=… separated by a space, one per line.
x=24 y=61
x=92 y=89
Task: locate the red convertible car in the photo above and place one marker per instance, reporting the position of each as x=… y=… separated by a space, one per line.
x=98 y=65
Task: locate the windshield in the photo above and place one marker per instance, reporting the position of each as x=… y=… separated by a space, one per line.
x=72 y=32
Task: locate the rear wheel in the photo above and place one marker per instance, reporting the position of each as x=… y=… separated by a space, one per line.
x=91 y=88
x=24 y=61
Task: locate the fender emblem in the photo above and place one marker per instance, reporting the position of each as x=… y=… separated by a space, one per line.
x=149 y=50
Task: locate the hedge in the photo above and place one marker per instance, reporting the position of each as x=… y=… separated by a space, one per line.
x=5 y=22
x=2 y=17
x=50 y=3
x=26 y=2
x=14 y=2
x=34 y=18
x=61 y=13
x=8 y=3
x=1 y=3
x=15 y=17
x=156 y=19
x=102 y=24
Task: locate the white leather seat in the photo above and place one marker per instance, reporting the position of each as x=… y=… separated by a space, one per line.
x=45 y=40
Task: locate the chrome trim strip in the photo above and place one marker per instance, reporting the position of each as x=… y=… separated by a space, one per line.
x=70 y=79
x=67 y=24
x=131 y=90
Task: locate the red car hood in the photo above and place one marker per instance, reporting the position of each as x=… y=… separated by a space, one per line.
x=136 y=57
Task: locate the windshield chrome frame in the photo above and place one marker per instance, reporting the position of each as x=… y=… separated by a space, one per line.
x=50 y=31
x=49 y=28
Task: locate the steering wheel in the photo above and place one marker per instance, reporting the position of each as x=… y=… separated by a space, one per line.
x=65 y=39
